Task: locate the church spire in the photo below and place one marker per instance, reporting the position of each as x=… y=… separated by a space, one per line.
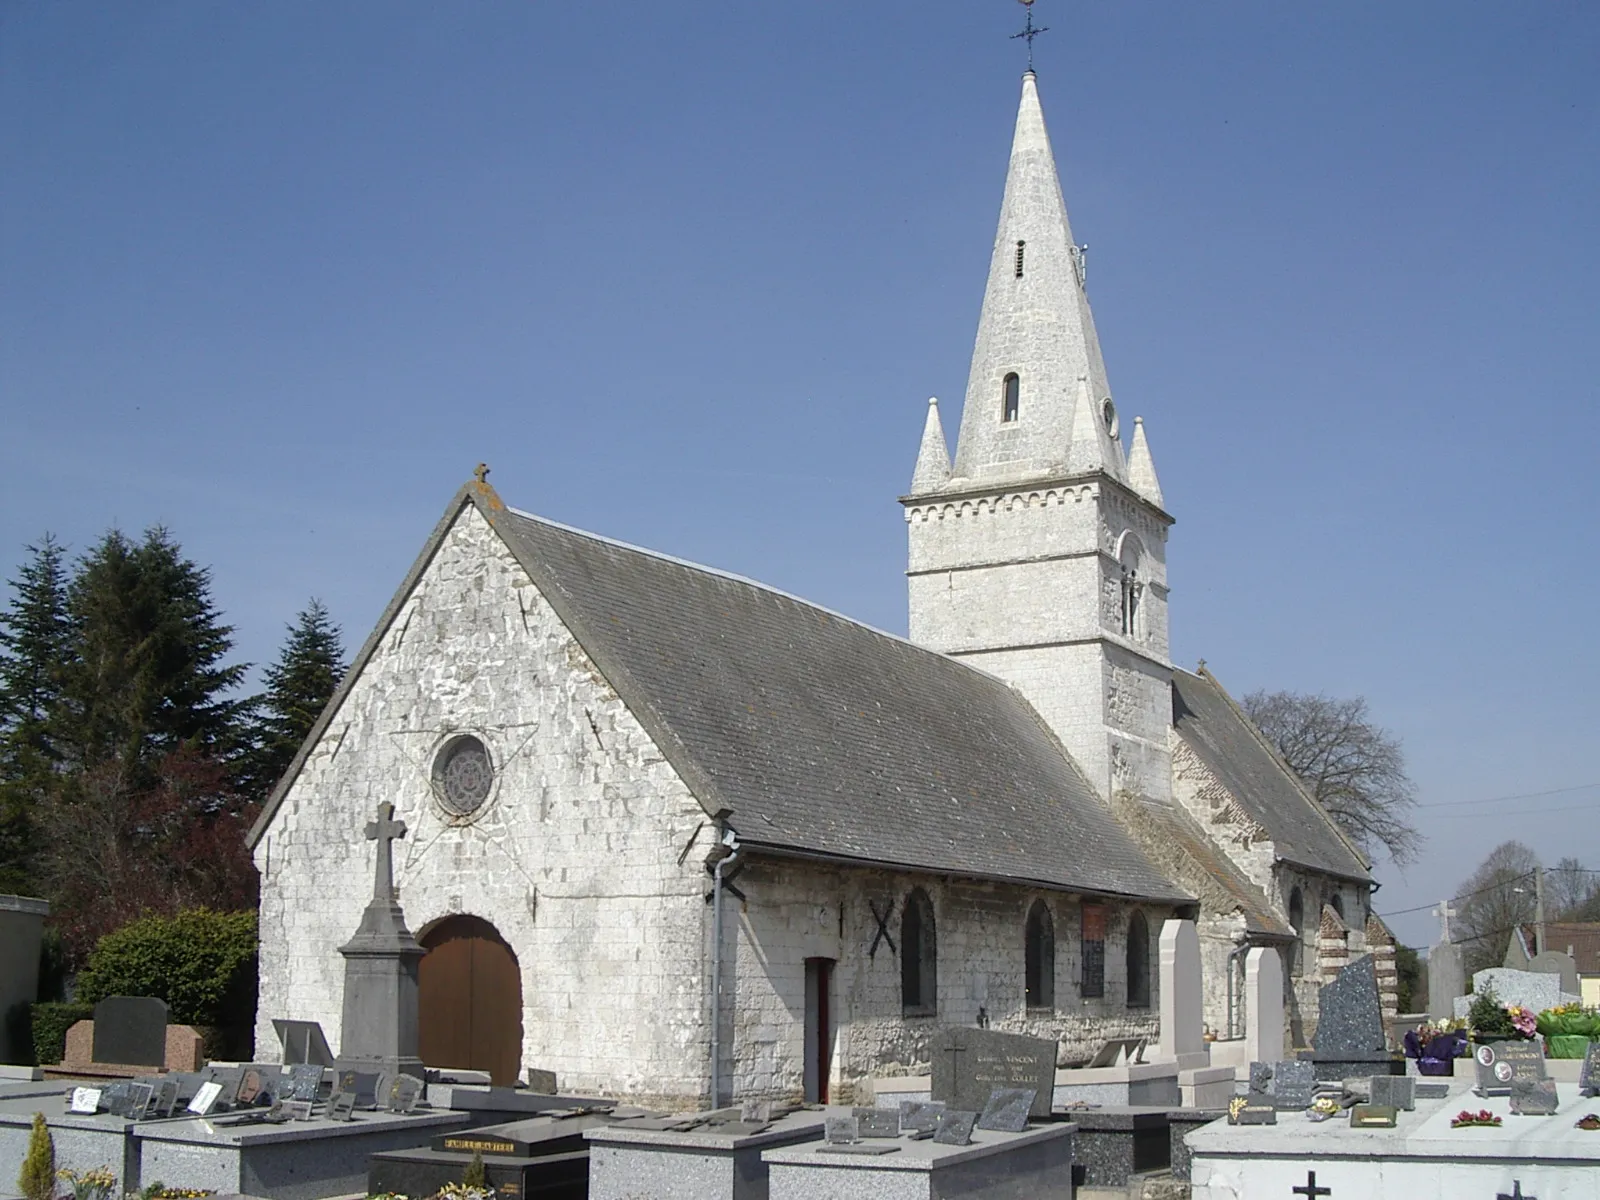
x=1036 y=346
x=1142 y=468
x=933 y=459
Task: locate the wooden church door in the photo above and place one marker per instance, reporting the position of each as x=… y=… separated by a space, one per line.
x=470 y=1000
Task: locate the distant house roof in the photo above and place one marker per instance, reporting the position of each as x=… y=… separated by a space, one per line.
x=822 y=736
x=1582 y=936
x=1243 y=761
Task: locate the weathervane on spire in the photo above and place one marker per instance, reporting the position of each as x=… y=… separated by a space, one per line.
x=1029 y=32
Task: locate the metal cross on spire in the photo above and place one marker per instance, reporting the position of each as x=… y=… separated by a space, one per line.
x=1029 y=30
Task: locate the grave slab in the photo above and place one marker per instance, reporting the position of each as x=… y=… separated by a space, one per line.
x=969 y=1063
x=1115 y=1143
x=640 y=1164
x=1034 y=1165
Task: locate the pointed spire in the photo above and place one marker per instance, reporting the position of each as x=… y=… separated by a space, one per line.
x=1036 y=324
x=933 y=459
x=1142 y=468
x=1093 y=445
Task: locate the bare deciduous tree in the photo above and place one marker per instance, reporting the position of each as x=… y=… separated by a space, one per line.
x=1566 y=886
x=1355 y=768
x=1497 y=898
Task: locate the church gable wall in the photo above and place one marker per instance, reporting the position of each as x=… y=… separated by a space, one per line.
x=1227 y=824
x=794 y=911
x=574 y=857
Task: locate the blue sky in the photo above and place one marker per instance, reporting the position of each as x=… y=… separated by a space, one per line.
x=279 y=275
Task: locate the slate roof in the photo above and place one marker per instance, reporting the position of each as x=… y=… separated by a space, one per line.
x=824 y=736
x=1231 y=747
x=1582 y=936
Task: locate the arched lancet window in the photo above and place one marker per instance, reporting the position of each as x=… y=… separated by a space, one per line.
x=1011 y=397
x=919 y=956
x=1297 y=922
x=1138 y=961
x=1039 y=956
x=1130 y=554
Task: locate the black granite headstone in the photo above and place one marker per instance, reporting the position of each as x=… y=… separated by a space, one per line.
x=955 y=1128
x=166 y=1098
x=1533 y=1097
x=1294 y=1084
x=302 y=1081
x=114 y=1099
x=1349 y=1017
x=1007 y=1110
x=131 y=1030
x=1261 y=1078
x=1499 y=1063
x=969 y=1063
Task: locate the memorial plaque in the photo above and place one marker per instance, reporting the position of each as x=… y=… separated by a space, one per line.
x=1261 y=1075
x=1533 y=1097
x=188 y=1084
x=1374 y=1116
x=115 y=1099
x=1499 y=1063
x=1294 y=1084
x=1395 y=1091
x=303 y=1042
x=131 y=1030
x=1589 y=1075
x=543 y=1082
x=868 y=1148
x=227 y=1080
x=85 y=1101
x=877 y=1122
x=839 y=1131
x=1007 y=1110
x=955 y=1128
x=1431 y=1091
x=140 y=1094
x=969 y=1063
x=362 y=1085
x=205 y=1099
x=250 y=1087
x=404 y=1093
x=303 y=1082
x=298 y=1110
x=342 y=1107
x=756 y=1112
x=920 y=1118
x=166 y=1098
x=1252 y=1110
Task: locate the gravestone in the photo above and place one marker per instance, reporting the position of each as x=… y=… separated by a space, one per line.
x=877 y=1122
x=969 y=1063
x=1350 y=1038
x=1446 y=980
x=1533 y=1097
x=841 y=1131
x=131 y=1031
x=1263 y=1000
x=1007 y=1110
x=1260 y=1079
x=542 y=1082
x=302 y=1081
x=1294 y=1084
x=1501 y=1063
x=1183 y=1032
x=954 y=1128
x=1589 y=1076
x=1394 y=1091
x=1559 y=964
x=920 y=1116
x=1532 y=990
x=379 y=1030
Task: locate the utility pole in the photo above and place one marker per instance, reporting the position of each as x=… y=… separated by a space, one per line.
x=1538 y=908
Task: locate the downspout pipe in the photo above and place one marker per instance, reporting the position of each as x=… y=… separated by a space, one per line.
x=731 y=842
x=1234 y=956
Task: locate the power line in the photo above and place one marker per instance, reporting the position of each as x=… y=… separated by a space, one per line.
x=1578 y=787
x=1494 y=887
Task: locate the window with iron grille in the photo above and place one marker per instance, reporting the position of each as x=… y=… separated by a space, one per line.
x=1094 y=950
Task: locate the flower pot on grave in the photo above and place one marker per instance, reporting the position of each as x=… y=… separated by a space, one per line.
x=1566 y=1045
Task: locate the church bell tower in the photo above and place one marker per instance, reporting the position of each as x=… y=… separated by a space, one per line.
x=1040 y=554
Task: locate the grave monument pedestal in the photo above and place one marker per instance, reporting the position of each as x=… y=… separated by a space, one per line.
x=379 y=1029
x=700 y=1164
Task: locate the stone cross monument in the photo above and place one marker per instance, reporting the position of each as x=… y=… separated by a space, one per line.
x=379 y=1027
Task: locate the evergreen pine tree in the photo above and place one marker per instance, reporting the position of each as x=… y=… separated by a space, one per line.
x=37 y=1180
x=35 y=645
x=299 y=685
x=147 y=678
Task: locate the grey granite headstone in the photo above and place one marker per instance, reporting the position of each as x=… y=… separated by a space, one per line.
x=969 y=1063
x=342 y=1107
x=877 y=1122
x=1533 y=1097
x=1432 y=1089
x=1260 y=1079
x=840 y=1131
x=1007 y=1110
x=131 y=1030
x=404 y=1092
x=1559 y=964
x=955 y=1128
x=1446 y=979
x=1349 y=1017
x=1589 y=1075
x=1533 y=990
x=1395 y=1091
x=920 y=1116
x=543 y=1082
x=1294 y=1083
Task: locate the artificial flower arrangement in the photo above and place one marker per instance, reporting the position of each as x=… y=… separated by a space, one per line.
x=1588 y=1121
x=1435 y=1043
x=1465 y=1119
x=1322 y=1108
x=1568 y=1029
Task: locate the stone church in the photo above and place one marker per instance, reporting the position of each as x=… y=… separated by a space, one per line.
x=677 y=835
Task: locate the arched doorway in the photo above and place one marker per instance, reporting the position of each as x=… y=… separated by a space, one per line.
x=470 y=1000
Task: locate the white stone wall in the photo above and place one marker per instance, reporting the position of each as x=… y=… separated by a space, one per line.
x=795 y=911
x=574 y=857
x=1027 y=584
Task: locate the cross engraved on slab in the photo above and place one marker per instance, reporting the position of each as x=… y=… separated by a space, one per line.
x=384 y=831
x=1311 y=1190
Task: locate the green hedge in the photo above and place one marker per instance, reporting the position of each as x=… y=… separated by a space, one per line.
x=202 y=963
x=50 y=1024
